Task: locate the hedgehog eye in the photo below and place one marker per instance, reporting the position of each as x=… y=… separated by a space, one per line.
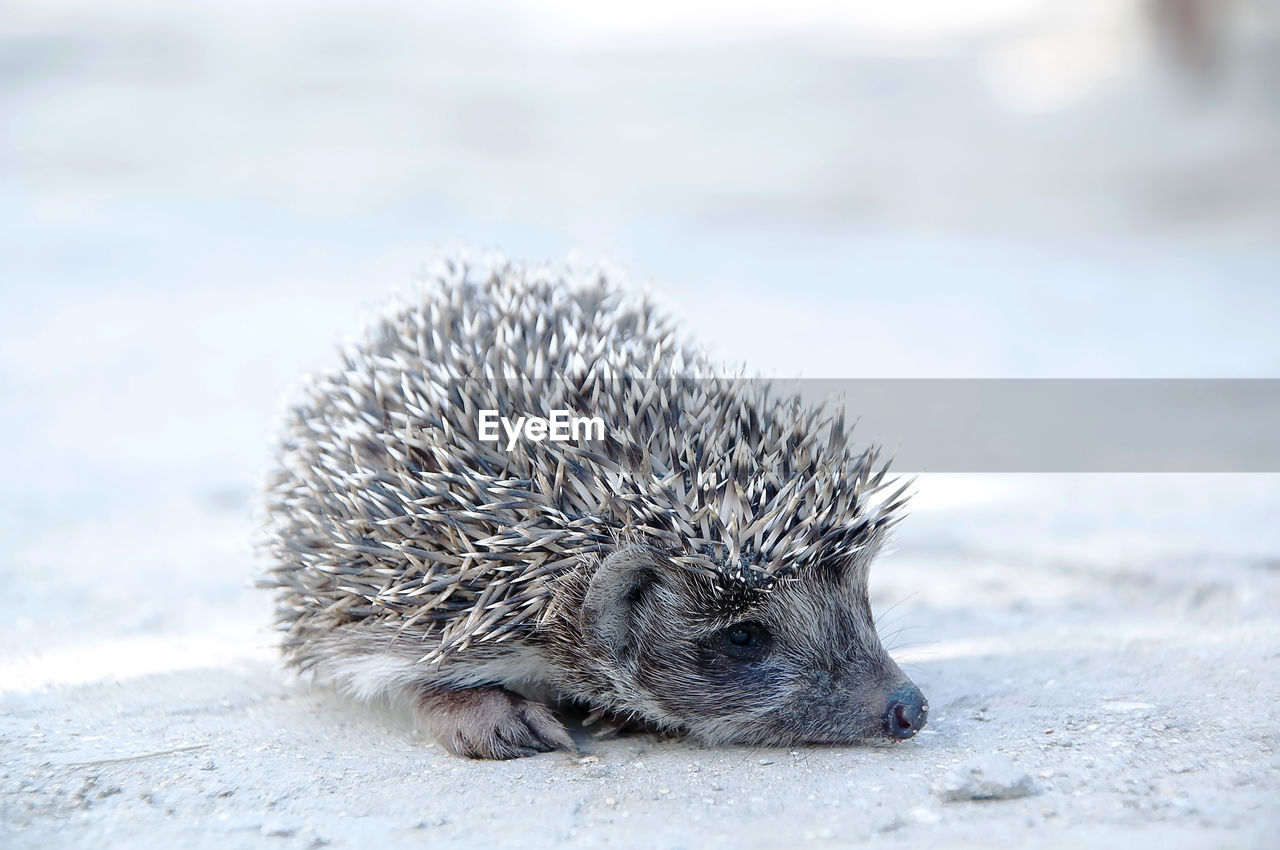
x=748 y=641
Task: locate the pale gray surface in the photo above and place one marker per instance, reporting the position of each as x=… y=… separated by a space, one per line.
x=196 y=202
x=1131 y=670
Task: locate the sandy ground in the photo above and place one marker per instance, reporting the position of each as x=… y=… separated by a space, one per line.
x=197 y=203
x=1131 y=673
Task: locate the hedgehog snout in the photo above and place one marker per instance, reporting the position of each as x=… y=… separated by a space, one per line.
x=906 y=713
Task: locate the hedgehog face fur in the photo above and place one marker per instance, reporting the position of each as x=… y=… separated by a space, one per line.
x=797 y=664
x=702 y=568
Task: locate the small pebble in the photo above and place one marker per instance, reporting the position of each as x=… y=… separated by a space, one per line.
x=988 y=777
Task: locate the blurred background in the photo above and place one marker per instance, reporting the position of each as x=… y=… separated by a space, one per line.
x=198 y=200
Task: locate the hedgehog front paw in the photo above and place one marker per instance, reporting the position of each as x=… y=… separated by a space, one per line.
x=490 y=723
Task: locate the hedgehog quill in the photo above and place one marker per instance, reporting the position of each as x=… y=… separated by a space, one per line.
x=701 y=568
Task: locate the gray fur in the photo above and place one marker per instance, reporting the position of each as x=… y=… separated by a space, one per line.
x=416 y=562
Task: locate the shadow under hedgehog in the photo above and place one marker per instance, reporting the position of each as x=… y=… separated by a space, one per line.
x=700 y=567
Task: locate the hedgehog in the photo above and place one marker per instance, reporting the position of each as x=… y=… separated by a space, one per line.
x=698 y=566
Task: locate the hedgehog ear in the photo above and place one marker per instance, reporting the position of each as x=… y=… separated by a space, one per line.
x=618 y=588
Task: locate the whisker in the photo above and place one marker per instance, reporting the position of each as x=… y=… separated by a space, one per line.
x=890 y=609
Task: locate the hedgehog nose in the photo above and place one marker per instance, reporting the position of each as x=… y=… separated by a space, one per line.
x=907 y=712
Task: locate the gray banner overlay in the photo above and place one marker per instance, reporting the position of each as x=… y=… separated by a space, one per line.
x=1027 y=425
x=1063 y=425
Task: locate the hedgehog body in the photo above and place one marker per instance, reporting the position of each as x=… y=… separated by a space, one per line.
x=701 y=566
